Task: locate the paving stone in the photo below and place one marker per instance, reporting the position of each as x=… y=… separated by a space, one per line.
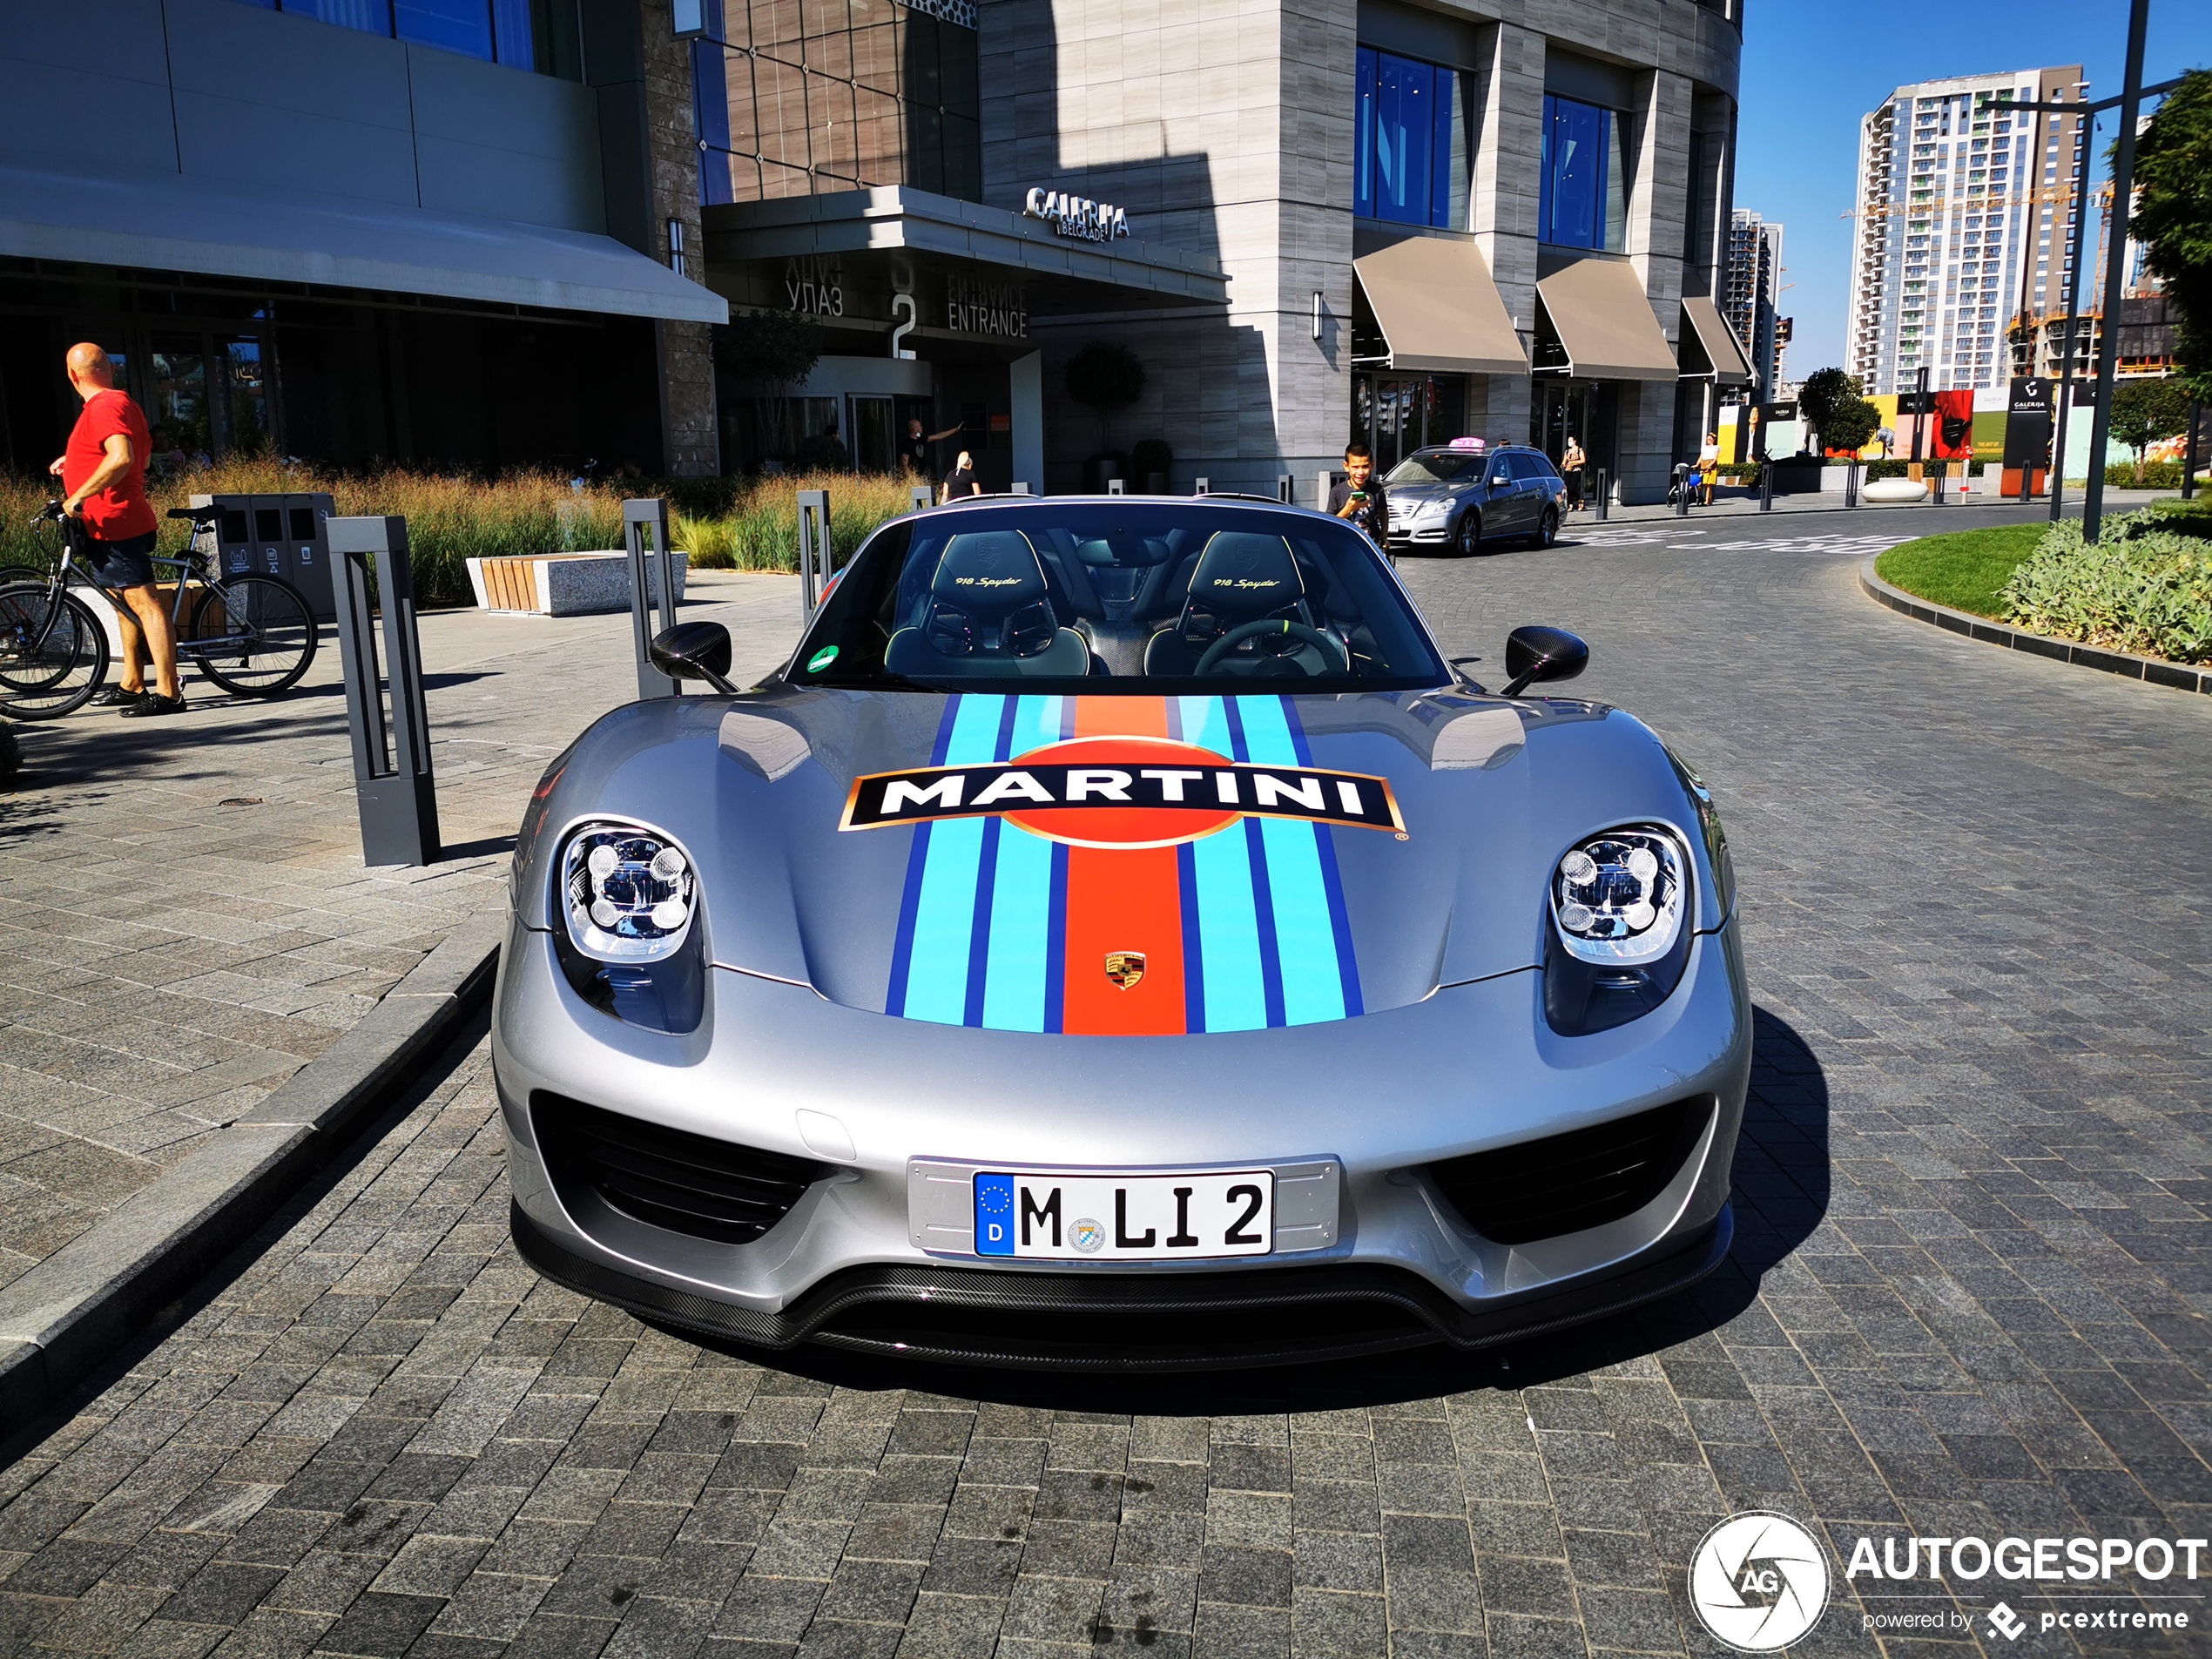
x=1968 y=1293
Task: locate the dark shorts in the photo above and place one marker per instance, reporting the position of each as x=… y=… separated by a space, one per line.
x=120 y=564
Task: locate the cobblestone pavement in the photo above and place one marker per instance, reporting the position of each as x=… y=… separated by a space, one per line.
x=1967 y=1296
x=185 y=917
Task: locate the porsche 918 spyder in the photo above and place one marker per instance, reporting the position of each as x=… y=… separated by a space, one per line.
x=1119 y=939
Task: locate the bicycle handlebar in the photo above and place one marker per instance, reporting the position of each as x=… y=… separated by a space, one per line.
x=197 y=515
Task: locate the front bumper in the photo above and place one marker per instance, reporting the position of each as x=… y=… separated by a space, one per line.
x=1376 y=1099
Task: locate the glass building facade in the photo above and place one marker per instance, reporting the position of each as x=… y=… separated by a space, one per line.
x=1411 y=139
x=797 y=97
x=1583 y=178
x=519 y=33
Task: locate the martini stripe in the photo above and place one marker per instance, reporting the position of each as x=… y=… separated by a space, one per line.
x=944 y=925
x=902 y=942
x=1324 y=843
x=1007 y=976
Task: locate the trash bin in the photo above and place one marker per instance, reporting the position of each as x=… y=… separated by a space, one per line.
x=280 y=535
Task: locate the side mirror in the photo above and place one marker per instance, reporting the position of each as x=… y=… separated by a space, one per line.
x=1542 y=654
x=695 y=650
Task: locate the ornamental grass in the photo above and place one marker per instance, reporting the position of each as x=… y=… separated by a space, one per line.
x=2142 y=588
x=732 y=524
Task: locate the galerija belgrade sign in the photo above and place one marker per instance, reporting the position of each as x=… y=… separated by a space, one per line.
x=1076 y=216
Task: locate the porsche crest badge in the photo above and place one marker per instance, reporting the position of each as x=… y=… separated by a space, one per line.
x=1125 y=967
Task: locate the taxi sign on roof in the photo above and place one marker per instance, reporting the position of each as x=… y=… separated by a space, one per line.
x=1466 y=444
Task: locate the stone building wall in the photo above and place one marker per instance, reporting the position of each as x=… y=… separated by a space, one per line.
x=690 y=430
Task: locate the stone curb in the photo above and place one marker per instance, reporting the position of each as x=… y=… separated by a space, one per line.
x=2178 y=676
x=68 y=1313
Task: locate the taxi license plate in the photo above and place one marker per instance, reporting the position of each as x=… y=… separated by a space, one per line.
x=1089 y=1217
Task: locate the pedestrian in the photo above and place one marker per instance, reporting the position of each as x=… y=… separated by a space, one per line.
x=1708 y=465
x=1358 y=499
x=915 y=454
x=1571 y=464
x=104 y=469
x=960 y=481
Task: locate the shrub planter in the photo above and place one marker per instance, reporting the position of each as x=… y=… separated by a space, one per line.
x=2179 y=677
x=1796 y=475
x=564 y=584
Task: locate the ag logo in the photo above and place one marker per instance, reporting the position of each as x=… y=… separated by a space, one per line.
x=1759 y=1582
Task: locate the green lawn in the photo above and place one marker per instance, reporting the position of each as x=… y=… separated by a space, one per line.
x=1964 y=569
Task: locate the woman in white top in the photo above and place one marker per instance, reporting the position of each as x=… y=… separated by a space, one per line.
x=1708 y=464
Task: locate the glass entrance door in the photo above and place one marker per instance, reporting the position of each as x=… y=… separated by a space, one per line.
x=1585 y=410
x=1398 y=413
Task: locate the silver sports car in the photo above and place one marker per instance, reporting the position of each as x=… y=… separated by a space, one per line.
x=1118 y=939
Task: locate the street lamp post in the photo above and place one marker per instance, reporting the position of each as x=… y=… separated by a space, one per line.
x=2123 y=181
x=2085 y=126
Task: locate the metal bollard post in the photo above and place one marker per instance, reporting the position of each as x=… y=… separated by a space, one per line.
x=919 y=498
x=396 y=793
x=1323 y=481
x=1117 y=487
x=1019 y=488
x=1766 y=488
x=813 y=549
x=1851 y=483
x=1936 y=493
x=651 y=570
x=1604 y=493
x=1201 y=489
x=1681 y=489
x=1282 y=487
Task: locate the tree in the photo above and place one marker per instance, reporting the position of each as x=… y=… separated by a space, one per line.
x=2143 y=412
x=1824 y=392
x=1104 y=377
x=775 y=350
x=2173 y=218
x=1850 y=425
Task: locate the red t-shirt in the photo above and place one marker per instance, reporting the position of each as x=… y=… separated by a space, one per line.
x=121 y=510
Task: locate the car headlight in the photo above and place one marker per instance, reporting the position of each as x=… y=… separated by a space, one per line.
x=1617 y=898
x=629 y=895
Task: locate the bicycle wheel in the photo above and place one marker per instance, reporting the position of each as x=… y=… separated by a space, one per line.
x=254 y=636
x=43 y=679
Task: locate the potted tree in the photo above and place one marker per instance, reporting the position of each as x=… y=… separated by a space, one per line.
x=1104 y=376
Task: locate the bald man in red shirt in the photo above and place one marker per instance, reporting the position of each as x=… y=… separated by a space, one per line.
x=104 y=469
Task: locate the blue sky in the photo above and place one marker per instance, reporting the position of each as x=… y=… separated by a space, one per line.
x=1811 y=73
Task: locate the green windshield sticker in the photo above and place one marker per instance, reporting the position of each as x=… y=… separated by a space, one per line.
x=821 y=659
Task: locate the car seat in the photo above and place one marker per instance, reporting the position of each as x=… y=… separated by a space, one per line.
x=1240 y=577
x=988 y=613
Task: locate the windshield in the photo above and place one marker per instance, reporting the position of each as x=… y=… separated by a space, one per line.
x=1088 y=597
x=1438 y=467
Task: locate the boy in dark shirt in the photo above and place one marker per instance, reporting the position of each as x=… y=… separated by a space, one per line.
x=1359 y=497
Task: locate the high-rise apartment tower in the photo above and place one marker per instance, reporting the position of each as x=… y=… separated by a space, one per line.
x=1964 y=206
x=1754 y=291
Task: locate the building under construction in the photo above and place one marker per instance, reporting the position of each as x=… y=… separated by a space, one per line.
x=1963 y=215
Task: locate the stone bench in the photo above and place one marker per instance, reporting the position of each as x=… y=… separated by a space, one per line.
x=564 y=584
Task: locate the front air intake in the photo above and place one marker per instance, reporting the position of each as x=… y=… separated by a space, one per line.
x=1564 y=1184
x=668 y=1177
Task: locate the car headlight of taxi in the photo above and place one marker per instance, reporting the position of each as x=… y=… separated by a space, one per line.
x=629 y=907
x=1620 y=934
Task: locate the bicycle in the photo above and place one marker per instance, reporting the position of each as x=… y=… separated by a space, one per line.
x=251 y=635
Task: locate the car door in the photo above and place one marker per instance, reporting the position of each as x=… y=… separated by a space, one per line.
x=1504 y=507
x=1539 y=486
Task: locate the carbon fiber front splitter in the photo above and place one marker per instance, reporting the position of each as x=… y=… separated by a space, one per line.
x=1117 y=1322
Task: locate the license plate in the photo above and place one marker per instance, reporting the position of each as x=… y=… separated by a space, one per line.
x=1124 y=1218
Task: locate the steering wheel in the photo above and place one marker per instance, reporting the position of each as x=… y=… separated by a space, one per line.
x=1229 y=641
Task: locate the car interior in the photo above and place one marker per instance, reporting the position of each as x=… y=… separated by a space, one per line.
x=1147 y=595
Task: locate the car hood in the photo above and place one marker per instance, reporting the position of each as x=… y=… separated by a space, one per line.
x=1123 y=865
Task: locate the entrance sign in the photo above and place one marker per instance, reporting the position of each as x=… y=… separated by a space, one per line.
x=1076 y=216
x=998 y=309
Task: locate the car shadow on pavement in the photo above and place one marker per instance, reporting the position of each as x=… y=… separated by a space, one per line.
x=93 y=747
x=1781 y=1189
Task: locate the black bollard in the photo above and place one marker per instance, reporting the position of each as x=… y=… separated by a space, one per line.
x=396 y=796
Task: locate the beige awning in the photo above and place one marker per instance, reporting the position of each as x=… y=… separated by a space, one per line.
x=1437 y=308
x=1598 y=310
x=1723 y=351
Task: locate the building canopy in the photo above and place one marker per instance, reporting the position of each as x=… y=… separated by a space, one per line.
x=172 y=223
x=1604 y=324
x=1725 y=359
x=1437 y=309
